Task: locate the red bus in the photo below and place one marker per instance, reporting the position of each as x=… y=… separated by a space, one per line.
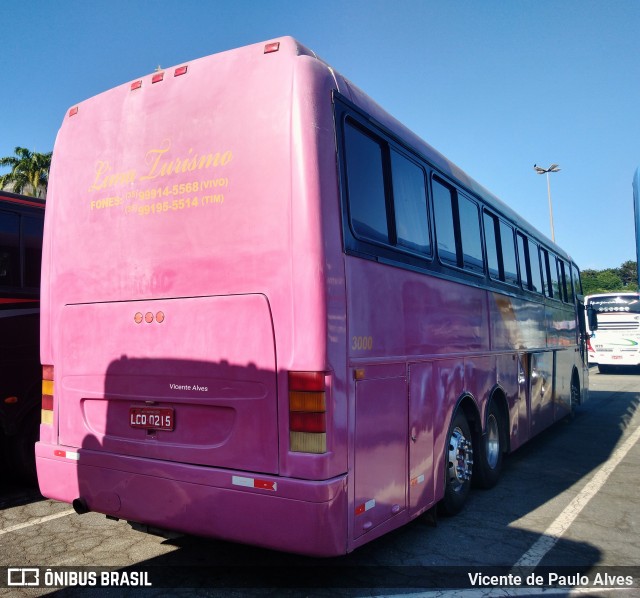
x=21 y=223
x=274 y=315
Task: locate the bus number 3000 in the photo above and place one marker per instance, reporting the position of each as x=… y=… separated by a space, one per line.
x=362 y=343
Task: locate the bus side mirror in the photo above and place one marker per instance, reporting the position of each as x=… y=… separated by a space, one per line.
x=592 y=316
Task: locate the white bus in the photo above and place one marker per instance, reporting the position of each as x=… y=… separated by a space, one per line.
x=614 y=328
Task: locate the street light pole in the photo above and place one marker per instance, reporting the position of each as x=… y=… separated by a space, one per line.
x=540 y=170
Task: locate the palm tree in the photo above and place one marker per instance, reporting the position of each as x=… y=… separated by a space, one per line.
x=29 y=173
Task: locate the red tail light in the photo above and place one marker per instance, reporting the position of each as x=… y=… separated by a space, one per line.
x=307 y=422
x=307 y=412
x=46 y=416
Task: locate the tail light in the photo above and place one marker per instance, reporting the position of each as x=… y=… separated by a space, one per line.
x=307 y=412
x=47 y=395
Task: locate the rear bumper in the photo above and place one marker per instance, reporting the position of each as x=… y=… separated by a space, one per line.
x=299 y=516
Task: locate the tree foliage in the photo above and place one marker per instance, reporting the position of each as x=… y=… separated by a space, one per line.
x=624 y=278
x=29 y=174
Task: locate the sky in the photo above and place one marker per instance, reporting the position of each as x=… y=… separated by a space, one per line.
x=495 y=85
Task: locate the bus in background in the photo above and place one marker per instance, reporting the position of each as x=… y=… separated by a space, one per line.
x=613 y=326
x=274 y=315
x=21 y=224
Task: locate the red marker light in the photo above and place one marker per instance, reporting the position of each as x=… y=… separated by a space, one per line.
x=181 y=70
x=73 y=111
x=272 y=47
x=157 y=78
x=136 y=85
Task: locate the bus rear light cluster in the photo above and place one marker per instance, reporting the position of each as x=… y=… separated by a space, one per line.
x=46 y=416
x=159 y=76
x=272 y=47
x=307 y=412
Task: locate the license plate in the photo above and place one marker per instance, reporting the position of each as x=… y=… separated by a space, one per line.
x=151 y=418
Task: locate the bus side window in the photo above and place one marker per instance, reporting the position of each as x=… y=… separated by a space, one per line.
x=443 y=208
x=565 y=281
x=9 y=250
x=410 y=204
x=365 y=184
x=493 y=249
x=577 y=284
x=534 y=261
x=546 y=276
x=470 y=235
x=508 y=253
x=555 y=278
x=523 y=261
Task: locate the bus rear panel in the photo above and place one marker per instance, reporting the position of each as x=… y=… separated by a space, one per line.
x=177 y=268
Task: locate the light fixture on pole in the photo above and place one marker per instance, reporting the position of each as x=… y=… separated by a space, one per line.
x=540 y=170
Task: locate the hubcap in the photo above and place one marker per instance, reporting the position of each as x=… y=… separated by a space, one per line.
x=492 y=442
x=460 y=460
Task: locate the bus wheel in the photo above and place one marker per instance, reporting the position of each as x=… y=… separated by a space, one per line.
x=458 y=465
x=492 y=445
x=575 y=391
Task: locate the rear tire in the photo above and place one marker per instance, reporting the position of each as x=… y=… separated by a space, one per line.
x=491 y=450
x=458 y=465
x=575 y=392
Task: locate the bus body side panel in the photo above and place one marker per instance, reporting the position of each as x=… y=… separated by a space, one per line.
x=403 y=323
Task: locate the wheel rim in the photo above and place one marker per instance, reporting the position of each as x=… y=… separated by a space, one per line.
x=460 y=460
x=492 y=442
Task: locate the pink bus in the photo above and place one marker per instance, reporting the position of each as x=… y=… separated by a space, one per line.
x=271 y=314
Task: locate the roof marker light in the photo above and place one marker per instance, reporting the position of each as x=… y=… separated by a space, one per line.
x=73 y=111
x=181 y=70
x=272 y=47
x=136 y=85
x=157 y=78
